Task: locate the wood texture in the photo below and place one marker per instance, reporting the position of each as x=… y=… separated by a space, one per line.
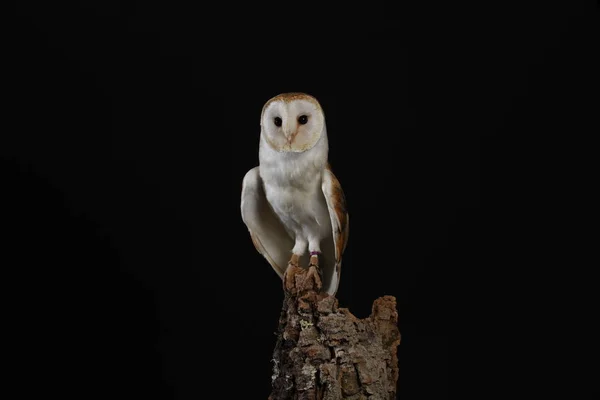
x=323 y=352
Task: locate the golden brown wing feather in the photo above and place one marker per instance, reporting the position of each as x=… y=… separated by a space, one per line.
x=340 y=219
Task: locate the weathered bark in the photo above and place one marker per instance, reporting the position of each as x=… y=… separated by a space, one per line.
x=323 y=352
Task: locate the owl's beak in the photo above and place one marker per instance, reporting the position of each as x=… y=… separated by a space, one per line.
x=290 y=134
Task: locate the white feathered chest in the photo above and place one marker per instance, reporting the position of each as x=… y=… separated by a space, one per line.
x=292 y=183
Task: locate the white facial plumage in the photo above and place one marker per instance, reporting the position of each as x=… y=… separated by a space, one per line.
x=292 y=202
x=292 y=124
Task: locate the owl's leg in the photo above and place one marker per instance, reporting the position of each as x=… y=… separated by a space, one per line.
x=300 y=246
x=313 y=267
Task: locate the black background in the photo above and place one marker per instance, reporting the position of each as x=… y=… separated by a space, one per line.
x=128 y=127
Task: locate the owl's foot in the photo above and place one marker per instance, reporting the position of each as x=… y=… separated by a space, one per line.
x=297 y=279
x=290 y=273
x=315 y=272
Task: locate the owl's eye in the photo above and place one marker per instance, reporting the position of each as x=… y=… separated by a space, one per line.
x=277 y=121
x=303 y=119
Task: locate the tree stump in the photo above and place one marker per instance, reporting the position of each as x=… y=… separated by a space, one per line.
x=323 y=352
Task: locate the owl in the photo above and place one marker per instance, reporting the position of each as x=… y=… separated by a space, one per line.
x=292 y=203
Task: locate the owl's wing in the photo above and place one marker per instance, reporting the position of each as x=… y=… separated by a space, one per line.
x=340 y=223
x=266 y=230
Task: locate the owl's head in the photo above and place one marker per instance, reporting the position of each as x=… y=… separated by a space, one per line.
x=292 y=122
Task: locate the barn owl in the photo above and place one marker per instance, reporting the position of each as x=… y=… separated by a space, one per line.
x=292 y=203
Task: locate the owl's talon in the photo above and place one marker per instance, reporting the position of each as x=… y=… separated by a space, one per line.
x=315 y=272
x=290 y=273
x=314 y=261
x=294 y=260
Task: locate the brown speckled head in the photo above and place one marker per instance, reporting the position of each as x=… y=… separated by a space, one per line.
x=291 y=96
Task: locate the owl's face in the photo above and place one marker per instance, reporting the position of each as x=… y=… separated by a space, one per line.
x=292 y=122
